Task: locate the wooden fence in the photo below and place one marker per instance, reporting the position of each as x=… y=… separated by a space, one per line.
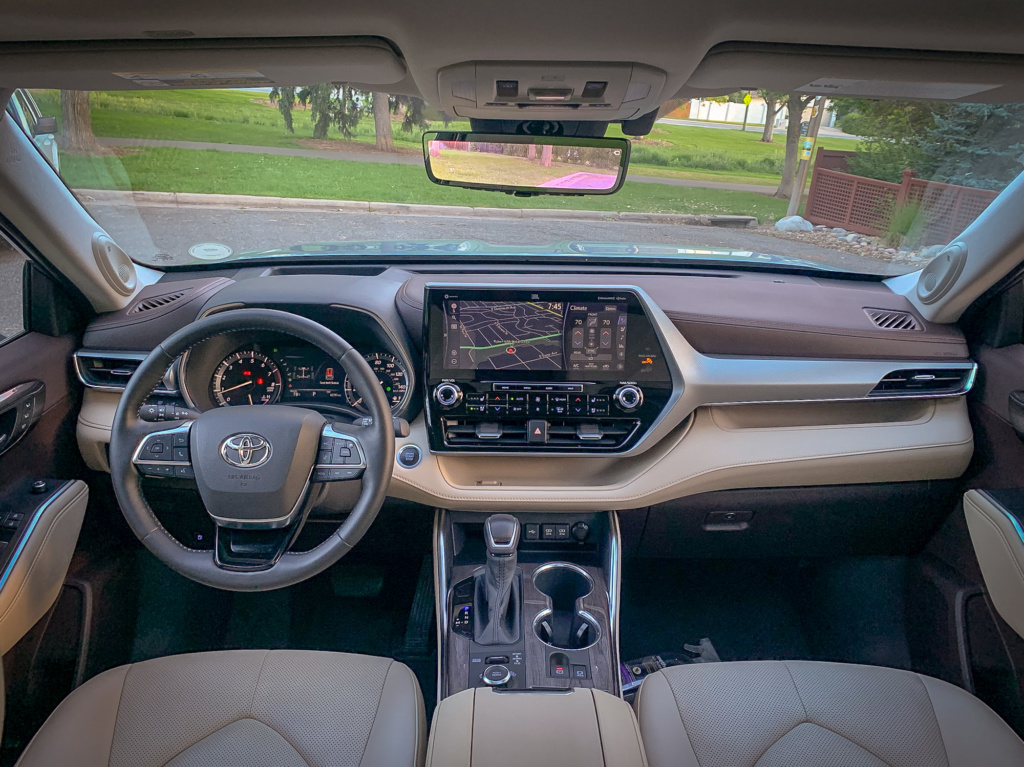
x=865 y=205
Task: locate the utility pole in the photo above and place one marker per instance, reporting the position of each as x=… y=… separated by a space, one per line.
x=807 y=146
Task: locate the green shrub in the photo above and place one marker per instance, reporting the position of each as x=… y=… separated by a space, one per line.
x=904 y=226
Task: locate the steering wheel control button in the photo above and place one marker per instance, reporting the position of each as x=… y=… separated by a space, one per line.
x=628 y=397
x=497 y=675
x=448 y=395
x=165 y=454
x=340 y=458
x=409 y=456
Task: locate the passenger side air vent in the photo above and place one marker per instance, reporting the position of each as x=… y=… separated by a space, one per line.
x=926 y=382
x=892 y=319
x=110 y=371
x=581 y=436
x=158 y=302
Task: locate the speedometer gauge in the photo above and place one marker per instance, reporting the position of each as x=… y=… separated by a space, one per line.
x=393 y=377
x=247 y=378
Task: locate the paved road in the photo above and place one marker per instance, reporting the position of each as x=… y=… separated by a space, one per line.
x=148 y=230
x=824 y=130
x=400 y=159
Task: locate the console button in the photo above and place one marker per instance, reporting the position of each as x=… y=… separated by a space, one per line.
x=536 y=432
x=547 y=532
x=561 y=532
x=579 y=672
x=531 y=532
x=496 y=675
x=538 y=404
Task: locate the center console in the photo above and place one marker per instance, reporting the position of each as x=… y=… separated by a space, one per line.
x=527 y=601
x=541 y=369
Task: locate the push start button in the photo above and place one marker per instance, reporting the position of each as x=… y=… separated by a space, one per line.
x=409 y=456
x=495 y=676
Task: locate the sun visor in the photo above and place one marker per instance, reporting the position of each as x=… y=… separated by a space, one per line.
x=509 y=90
x=165 y=64
x=860 y=72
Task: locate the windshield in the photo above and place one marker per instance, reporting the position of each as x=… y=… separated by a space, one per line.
x=191 y=177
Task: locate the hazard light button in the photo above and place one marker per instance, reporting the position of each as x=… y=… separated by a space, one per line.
x=536 y=432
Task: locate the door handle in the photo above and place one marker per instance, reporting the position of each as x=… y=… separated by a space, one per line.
x=20 y=408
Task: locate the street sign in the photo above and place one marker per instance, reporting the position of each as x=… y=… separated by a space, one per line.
x=746 y=99
x=806 y=145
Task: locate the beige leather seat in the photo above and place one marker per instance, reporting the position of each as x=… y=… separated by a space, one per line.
x=802 y=714
x=243 y=708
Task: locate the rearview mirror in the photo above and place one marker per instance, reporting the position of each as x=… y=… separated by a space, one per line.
x=526 y=165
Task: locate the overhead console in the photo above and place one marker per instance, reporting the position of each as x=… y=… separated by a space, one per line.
x=550 y=91
x=536 y=369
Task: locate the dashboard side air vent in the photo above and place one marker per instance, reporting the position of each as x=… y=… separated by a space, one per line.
x=158 y=302
x=893 y=319
x=926 y=382
x=110 y=371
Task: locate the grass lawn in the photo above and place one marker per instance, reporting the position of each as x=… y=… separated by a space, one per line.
x=216 y=116
x=241 y=117
x=212 y=172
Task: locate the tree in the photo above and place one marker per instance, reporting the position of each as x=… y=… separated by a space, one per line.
x=894 y=134
x=977 y=145
x=795 y=105
x=285 y=98
x=382 y=122
x=414 y=113
x=772 y=104
x=76 y=123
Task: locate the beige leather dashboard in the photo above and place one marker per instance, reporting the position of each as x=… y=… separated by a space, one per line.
x=719 y=447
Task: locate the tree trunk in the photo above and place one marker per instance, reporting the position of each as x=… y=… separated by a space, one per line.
x=382 y=122
x=795 y=106
x=772 y=109
x=76 y=123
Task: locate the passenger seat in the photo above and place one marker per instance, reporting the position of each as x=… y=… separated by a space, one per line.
x=810 y=714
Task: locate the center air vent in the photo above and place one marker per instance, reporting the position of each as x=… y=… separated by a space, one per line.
x=926 y=382
x=158 y=302
x=606 y=434
x=110 y=371
x=891 y=319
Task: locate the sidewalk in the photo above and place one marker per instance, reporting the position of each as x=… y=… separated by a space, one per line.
x=400 y=159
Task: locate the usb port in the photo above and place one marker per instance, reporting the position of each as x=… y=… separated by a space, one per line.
x=496 y=659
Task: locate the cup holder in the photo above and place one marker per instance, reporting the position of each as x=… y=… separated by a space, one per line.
x=565 y=625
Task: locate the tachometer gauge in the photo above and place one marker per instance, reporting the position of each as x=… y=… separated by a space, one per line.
x=247 y=378
x=393 y=377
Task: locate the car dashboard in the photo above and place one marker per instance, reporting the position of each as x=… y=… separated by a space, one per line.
x=568 y=389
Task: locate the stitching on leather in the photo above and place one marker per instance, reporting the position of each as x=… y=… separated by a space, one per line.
x=1000 y=532
x=256 y=687
x=376 y=712
x=42 y=546
x=936 y=717
x=679 y=713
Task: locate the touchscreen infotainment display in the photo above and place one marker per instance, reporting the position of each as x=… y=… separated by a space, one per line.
x=539 y=335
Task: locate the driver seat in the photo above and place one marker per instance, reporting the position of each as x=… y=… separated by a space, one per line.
x=240 y=708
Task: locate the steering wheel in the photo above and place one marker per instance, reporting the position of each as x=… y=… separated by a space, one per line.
x=258 y=469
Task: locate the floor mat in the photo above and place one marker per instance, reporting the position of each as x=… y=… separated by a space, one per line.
x=844 y=610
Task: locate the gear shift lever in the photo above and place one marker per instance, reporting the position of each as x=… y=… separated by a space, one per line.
x=496 y=600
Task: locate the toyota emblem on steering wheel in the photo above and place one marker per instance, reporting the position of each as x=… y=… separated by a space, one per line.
x=246 y=451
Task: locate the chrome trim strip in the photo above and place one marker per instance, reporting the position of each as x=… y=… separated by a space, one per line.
x=440 y=600
x=612 y=561
x=28 y=531
x=170 y=387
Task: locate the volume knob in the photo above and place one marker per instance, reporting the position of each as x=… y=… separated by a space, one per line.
x=628 y=397
x=447 y=395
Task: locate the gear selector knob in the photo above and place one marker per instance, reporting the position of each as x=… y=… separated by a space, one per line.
x=501 y=535
x=496 y=594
